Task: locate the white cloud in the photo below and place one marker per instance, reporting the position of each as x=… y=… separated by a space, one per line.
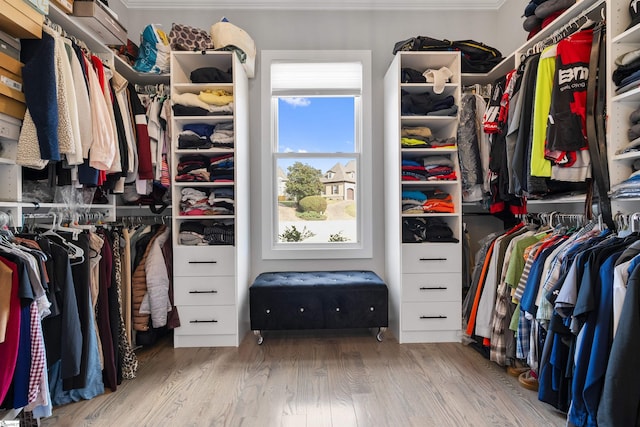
x=291 y=150
x=297 y=102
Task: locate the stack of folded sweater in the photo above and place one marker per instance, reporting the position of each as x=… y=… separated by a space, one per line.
x=633 y=133
x=540 y=13
x=221 y=168
x=427 y=104
x=219 y=232
x=421 y=137
x=223 y=135
x=195 y=136
x=193 y=168
x=431 y=201
x=419 y=230
x=630 y=187
x=206 y=135
x=627 y=72
x=431 y=168
x=206 y=103
x=214 y=201
x=200 y=168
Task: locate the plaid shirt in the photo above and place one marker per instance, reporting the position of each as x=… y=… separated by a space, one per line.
x=37 y=354
x=523 y=335
x=498 y=349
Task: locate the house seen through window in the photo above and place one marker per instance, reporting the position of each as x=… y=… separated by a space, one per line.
x=317 y=151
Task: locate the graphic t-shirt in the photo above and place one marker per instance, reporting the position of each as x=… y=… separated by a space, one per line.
x=566 y=131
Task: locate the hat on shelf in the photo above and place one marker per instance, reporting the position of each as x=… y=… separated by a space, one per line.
x=634 y=13
x=551 y=6
x=531 y=23
x=628 y=58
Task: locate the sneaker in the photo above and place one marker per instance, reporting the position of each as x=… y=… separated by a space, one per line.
x=528 y=380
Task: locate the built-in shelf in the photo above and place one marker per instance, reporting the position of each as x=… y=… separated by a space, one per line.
x=134 y=76
x=632 y=35
x=580 y=8
x=578 y=198
x=78 y=29
x=631 y=155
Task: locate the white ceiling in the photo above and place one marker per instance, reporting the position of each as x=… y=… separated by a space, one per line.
x=421 y=5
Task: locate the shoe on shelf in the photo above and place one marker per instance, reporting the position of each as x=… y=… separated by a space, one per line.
x=528 y=380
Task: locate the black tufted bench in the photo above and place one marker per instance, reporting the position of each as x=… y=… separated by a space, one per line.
x=318 y=300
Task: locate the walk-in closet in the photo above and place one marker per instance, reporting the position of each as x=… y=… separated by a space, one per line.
x=478 y=159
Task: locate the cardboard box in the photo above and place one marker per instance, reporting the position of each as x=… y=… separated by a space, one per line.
x=95 y=15
x=64 y=5
x=9 y=45
x=9 y=130
x=11 y=65
x=12 y=102
x=20 y=20
x=41 y=6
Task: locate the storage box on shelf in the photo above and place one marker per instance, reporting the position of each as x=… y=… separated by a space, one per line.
x=210 y=223
x=95 y=15
x=12 y=101
x=65 y=5
x=41 y=6
x=9 y=46
x=424 y=278
x=20 y=20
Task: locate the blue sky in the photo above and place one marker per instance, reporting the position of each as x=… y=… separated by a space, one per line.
x=321 y=124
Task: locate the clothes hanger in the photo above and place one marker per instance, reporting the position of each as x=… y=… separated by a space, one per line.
x=75 y=251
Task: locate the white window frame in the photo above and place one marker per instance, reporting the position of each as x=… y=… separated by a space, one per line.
x=271 y=248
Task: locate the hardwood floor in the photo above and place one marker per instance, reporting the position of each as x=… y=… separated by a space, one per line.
x=319 y=378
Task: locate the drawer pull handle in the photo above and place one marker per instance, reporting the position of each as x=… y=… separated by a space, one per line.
x=203 y=321
x=372 y=309
x=433 y=317
x=203 y=262
x=301 y=309
x=338 y=309
x=433 y=288
x=203 y=292
x=433 y=259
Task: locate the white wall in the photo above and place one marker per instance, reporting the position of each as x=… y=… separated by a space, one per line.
x=377 y=31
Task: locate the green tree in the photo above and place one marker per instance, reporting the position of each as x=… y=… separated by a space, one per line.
x=303 y=180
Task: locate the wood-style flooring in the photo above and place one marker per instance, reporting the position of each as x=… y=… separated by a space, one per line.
x=315 y=378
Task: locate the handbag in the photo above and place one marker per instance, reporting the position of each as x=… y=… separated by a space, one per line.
x=185 y=37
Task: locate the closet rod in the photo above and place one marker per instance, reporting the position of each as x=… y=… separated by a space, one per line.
x=586 y=14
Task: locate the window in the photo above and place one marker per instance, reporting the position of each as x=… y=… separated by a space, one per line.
x=316 y=167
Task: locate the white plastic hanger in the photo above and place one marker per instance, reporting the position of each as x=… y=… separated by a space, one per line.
x=75 y=252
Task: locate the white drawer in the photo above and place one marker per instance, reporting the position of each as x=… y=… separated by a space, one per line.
x=431 y=258
x=429 y=316
x=207 y=320
x=204 y=261
x=432 y=287
x=211 y=290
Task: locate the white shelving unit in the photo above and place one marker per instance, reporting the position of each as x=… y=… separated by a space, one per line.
x=211 y=281
x=424 y=279
x=620 y=40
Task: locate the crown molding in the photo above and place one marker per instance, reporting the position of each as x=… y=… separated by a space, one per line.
x=418 y=5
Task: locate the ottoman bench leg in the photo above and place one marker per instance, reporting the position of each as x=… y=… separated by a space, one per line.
x=259 y=336
x=381 y=331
